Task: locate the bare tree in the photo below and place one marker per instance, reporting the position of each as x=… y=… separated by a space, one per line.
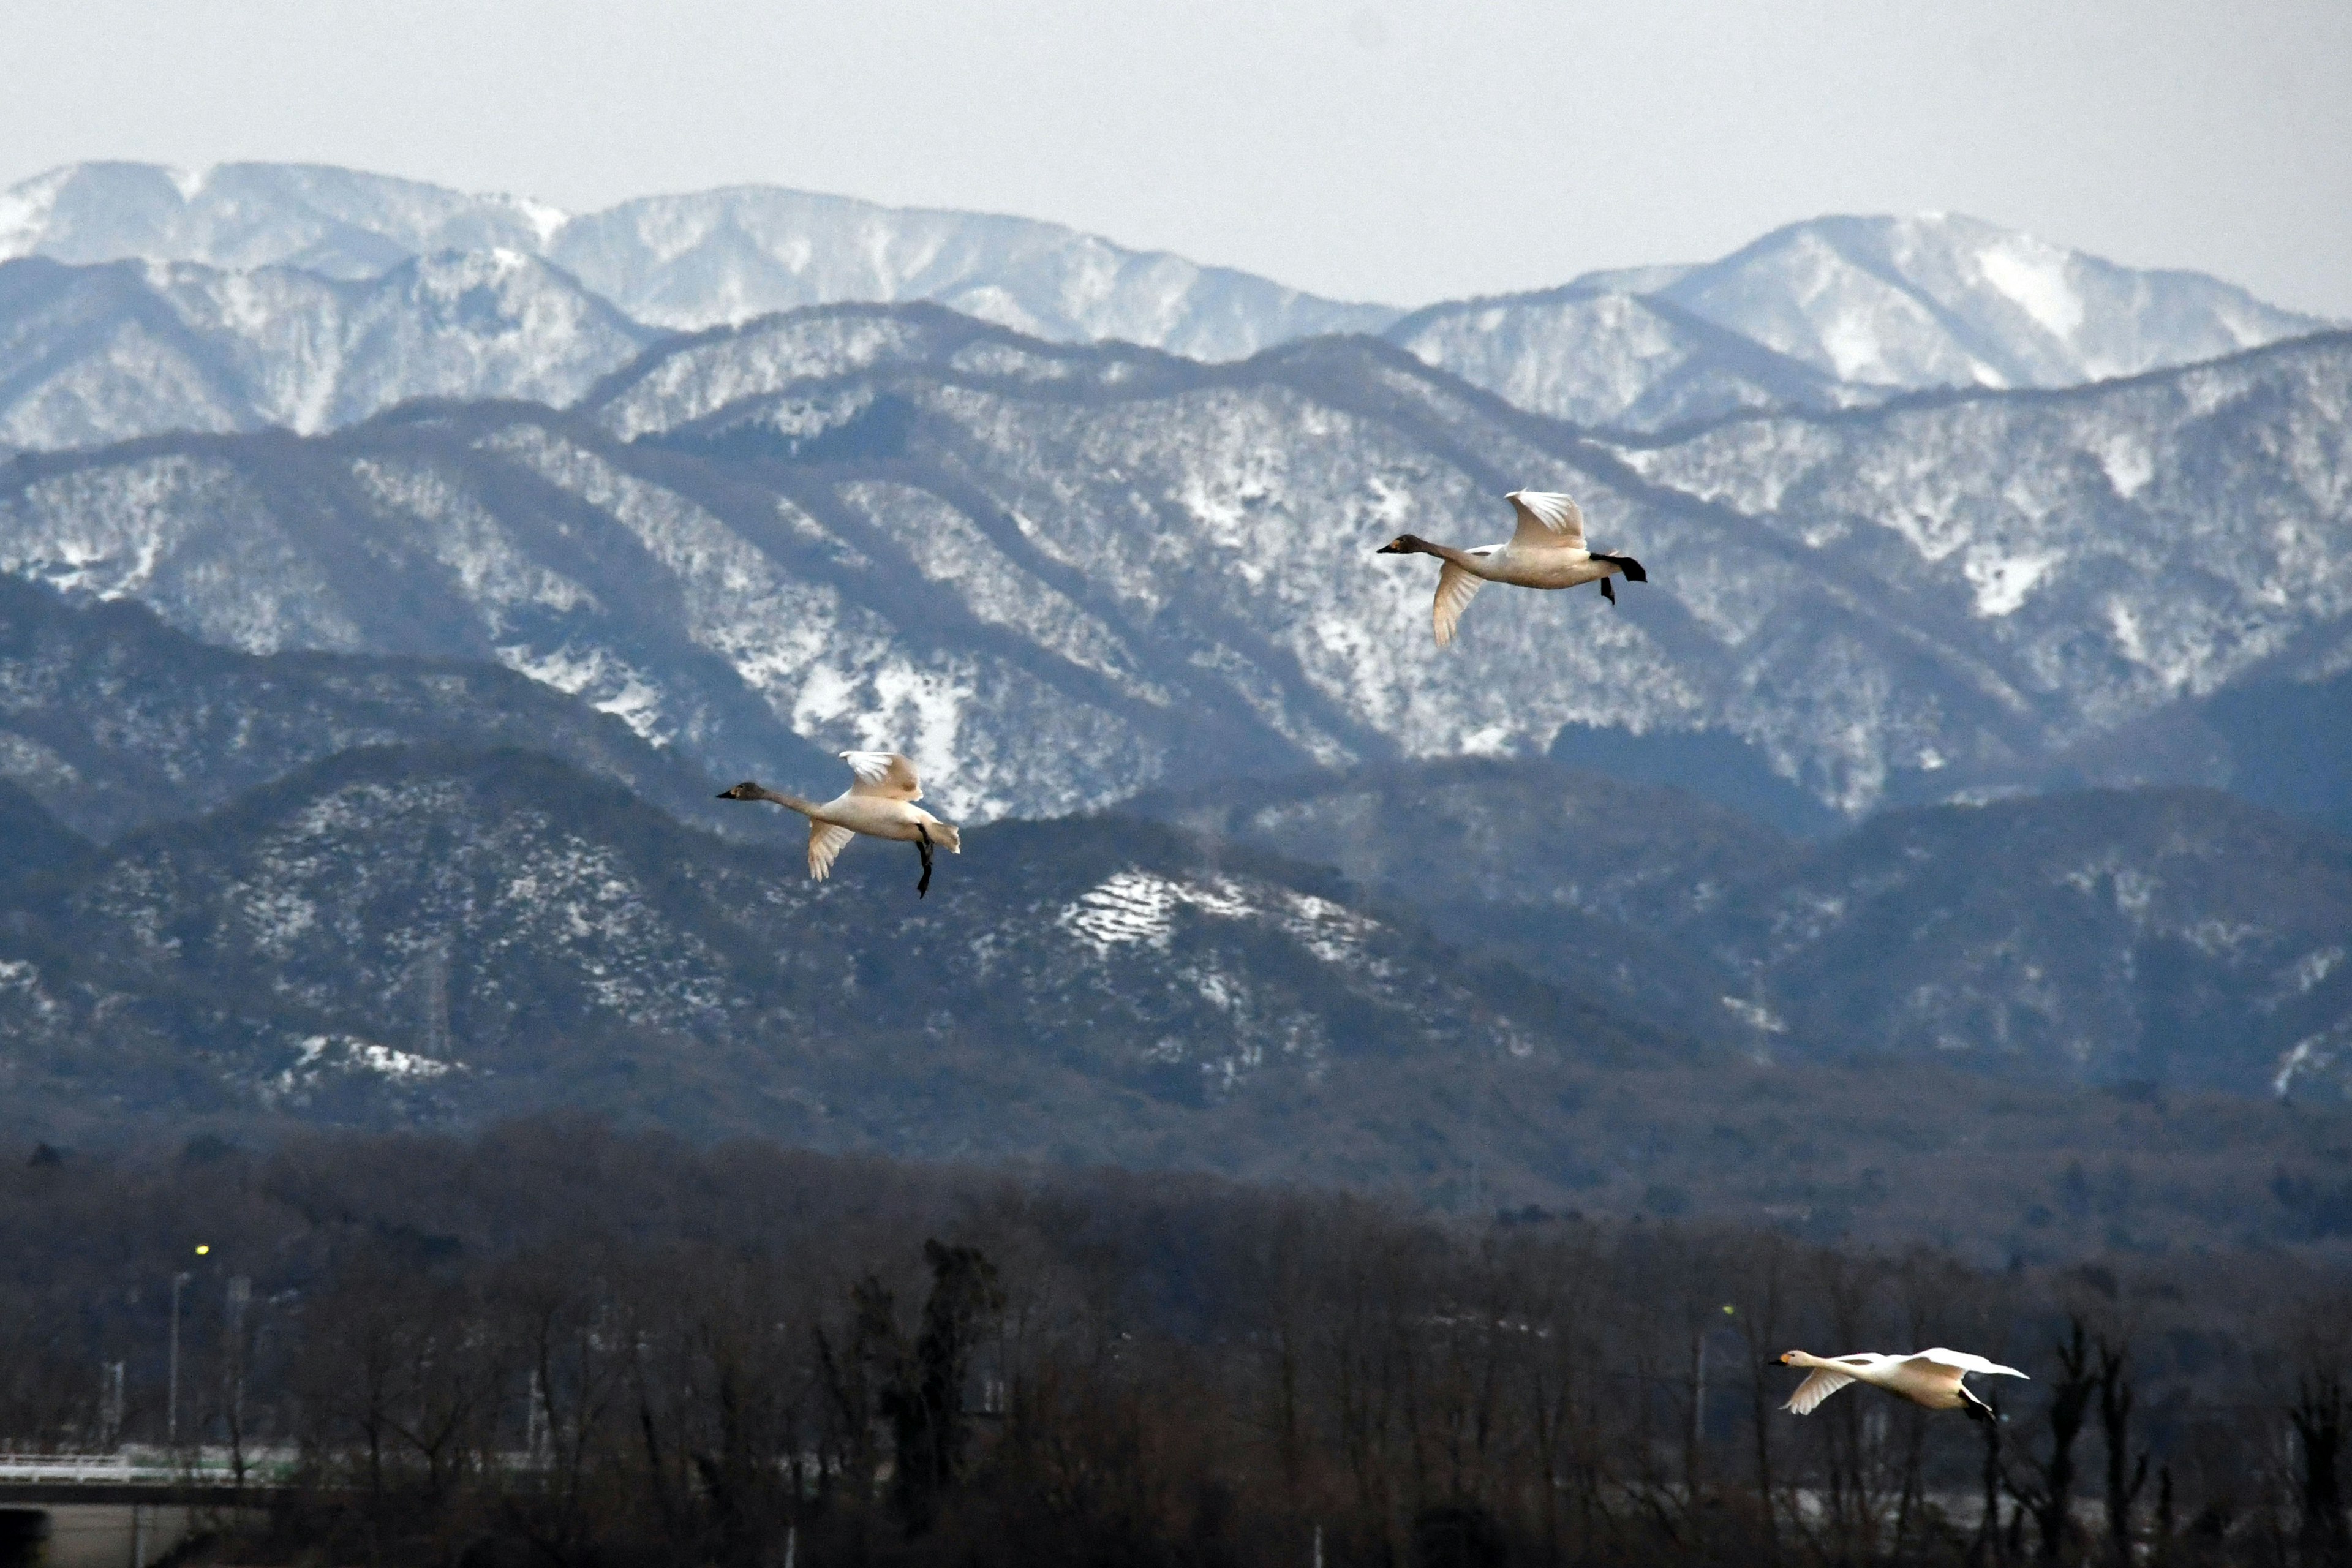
x=2125 y=1475
x=2048 y=1493
x=2319 y=1415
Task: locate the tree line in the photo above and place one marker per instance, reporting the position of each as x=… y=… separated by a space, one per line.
x=561 y=1344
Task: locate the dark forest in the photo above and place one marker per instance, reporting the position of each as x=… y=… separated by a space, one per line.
x=561 y=1344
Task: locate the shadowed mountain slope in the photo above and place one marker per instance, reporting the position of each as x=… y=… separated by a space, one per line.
x=2179 y=937
x=113 y=720
x=392 y=938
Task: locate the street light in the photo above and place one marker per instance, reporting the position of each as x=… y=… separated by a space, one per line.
x=172 y=1406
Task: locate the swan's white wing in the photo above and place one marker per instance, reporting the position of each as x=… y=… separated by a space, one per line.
x=883 y=773
x=1816 y=1388
x=1547 y=520
x=1966 y=1363
x=1455 y=589
x=824 y=842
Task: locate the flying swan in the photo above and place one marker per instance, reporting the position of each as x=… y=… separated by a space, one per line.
x=880 y=804
x=1932 y=1378
x=1546 y=551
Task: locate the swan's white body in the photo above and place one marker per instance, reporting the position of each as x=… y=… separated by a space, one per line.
x=1933 y=1378
x=880 y=804
x=1546 y=551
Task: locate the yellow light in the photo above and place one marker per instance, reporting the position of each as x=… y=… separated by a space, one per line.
x=202 y=1249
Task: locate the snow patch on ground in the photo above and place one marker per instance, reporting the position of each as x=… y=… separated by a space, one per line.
x=2002 y=581
x=349 y=1055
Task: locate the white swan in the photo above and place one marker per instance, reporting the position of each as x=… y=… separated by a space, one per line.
x=880 y=804
x=1932 y=1378
x=1546 y=551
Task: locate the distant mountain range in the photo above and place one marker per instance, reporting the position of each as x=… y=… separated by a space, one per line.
x=684 y=261
x=387 y=573
x=513 y=297
x=1058 y=574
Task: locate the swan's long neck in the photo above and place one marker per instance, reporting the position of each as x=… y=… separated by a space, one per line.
x=1461 y=558
x=791 y=802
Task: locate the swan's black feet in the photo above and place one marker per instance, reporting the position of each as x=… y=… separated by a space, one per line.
x=1607 y=592
x=923 y=843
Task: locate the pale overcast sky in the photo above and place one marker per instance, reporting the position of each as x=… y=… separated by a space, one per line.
x=1366 y=149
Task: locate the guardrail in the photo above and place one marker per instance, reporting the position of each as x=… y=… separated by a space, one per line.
x=156 y=1467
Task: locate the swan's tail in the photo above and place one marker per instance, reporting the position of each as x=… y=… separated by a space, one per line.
x=944 y=834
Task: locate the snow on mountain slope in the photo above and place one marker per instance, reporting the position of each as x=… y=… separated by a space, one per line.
x=1612 y=358
x=682 y=261
x=2175 y=937
x=1837 y=313
x=106 y=353
x=2112 y=549
x=337 y=223
x=729 y=255
x=1058 y=575
x=1939 y=300
x=1115 y=980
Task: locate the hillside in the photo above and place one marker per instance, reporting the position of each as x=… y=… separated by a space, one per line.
x=114 y=721
x=1055 y=575
x=402 y=938
x=2173 y=939
x=99 y=353
x=1110 y=989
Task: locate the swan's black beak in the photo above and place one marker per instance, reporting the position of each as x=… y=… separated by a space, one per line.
x=1389 y=550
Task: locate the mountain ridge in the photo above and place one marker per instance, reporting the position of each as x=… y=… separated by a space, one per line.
x=755 y=249
x=1840 y=310
x=955 y=541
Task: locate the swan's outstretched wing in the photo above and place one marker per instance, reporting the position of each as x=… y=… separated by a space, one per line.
x=826 y=841
x=1547 y=520
x=883 y=773
x=1455 y=589
x=1966 y=1363
x=1816 y=1388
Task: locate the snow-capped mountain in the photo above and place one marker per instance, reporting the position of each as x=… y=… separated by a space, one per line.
x=1599 y=355
x=1836 y=313
x=683 y=261
x=729 y=256
x=1939 y=300
x=1056 y=575
x=337 y=223
x=105 y=353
